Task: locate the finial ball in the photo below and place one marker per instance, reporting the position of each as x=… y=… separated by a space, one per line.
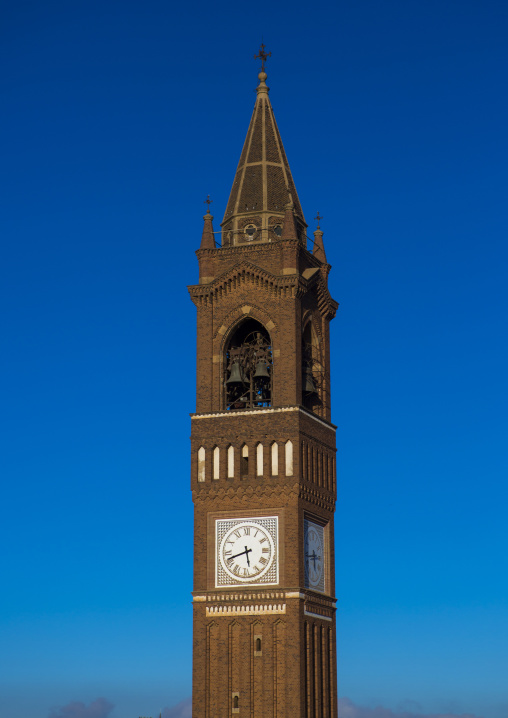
x=262 y=76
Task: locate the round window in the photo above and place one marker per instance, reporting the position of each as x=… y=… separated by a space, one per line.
x=250 y=232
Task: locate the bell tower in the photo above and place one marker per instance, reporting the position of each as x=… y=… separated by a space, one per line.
x=263 y=449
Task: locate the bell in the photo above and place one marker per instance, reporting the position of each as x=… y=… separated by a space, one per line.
x=236 y=375
x=261 y=371
x=309 y=387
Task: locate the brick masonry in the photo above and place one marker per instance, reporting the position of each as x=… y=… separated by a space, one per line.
x=263 y=651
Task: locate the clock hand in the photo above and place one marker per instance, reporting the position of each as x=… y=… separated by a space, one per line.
x=246 y=552
x=313 y=557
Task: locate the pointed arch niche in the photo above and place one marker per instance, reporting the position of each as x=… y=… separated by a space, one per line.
x=248 y=367
x=312 y=370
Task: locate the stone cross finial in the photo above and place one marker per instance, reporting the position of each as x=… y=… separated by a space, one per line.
x=319 y=218
x=208 y=201
x=263 y=56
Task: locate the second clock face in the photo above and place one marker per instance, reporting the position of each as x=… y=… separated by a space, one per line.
x=246 y=551
x=314 y=556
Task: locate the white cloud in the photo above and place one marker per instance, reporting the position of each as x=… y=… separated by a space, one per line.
x=182 y=710
x=100 y=708
x=347 y=709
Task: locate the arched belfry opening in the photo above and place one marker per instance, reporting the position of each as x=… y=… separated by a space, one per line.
x=248 y=367
x=312 y=370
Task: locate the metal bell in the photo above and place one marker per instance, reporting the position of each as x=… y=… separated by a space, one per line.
x=236 y=375
x=309 y=385
x=261 y=371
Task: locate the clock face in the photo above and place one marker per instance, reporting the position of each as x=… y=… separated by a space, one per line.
x=314 y=556
x=246 y=551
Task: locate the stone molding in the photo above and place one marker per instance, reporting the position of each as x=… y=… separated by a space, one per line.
x=317 y=615
x=245 y=272
x=255 y=610
x=245 y=494
x=271 y=410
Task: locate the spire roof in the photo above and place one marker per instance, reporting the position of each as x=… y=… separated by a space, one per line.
x=263 y=184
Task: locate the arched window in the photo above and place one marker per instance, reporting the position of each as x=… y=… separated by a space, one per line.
x=259 y=460
x=201 y=463
x=248 y=376
x=216 y=463
x=235 y=701
x=245 y=461
x=231 y=462
x=289 y=458
x=258 y=645
x=275 y=459
x=312 y=370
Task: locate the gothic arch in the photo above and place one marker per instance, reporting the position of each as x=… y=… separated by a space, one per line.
x=309 y=316
x=313 y=370
x=240 y=313
x=247 y=366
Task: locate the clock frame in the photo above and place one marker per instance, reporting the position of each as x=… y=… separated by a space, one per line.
x=257 y=534
x=315 y=555
x=270 y=578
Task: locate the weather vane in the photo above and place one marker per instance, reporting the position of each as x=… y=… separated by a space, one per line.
x=319 y=218
x=263 y=56
x=208 y=201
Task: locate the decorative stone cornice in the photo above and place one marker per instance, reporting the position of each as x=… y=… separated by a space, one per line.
x=271 y=410
x=226 y=490
x=253 y=595
x=265 y=602
x=244 y=272
x=255 y=610
x=317 y=496
x=318 y=615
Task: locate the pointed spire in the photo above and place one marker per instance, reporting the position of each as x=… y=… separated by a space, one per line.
x=207 y=240
x=289 y=228
x=263 y=183
x=319 y=247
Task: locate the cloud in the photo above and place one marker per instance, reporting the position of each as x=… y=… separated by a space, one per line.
x=182 y=710
x=347 y=709
x=100 y=708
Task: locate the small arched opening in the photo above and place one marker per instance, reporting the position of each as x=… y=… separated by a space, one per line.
x=312 y=370
x=249 y=367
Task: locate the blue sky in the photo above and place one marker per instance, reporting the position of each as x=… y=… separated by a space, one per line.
x=117 y=120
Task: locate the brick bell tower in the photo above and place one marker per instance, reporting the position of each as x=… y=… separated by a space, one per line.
x=263 y=450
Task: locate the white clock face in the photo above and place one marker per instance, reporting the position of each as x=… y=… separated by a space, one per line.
x=314 y=556
x=246 y=551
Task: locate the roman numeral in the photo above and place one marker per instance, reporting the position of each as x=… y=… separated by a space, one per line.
x=237 y=534
x=265 y=550
x=263 y=539
x=246 y=531
x=236 y=569
x=263 y=560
